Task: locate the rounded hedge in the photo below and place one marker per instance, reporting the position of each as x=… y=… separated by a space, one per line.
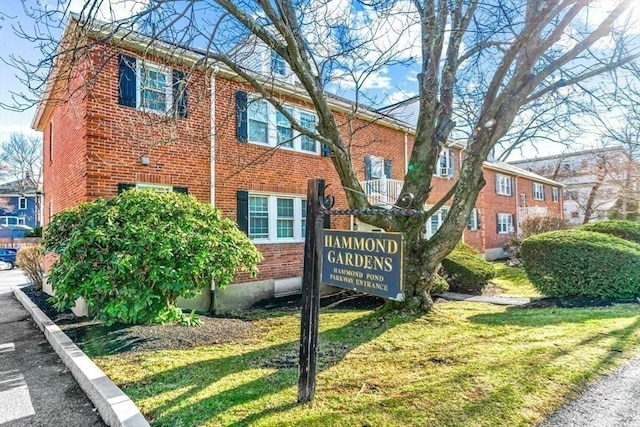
x=627 y=230
x=582 y=263
x=131 y=256
x=464 y=271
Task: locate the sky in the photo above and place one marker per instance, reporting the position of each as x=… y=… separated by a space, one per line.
x=387 y=85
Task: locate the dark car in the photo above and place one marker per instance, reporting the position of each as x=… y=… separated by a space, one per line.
x=8 y=257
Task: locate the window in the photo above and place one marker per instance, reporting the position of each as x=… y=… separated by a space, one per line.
x=445 y=165
x=435 y=222
x=504 y=185
x=275 y=218
x=538 y=191
x=3 y=220
x=307 y=121
x=285 y=218
x=22 y=203
x=377 y=167
x=258 y=121
x=154 y=87
x=575 y=214
x=284 y=131
x=505 y=223
x=160 y=188
x=555 y=194
x=278 y=65
x=20 y=220
x=258 y=217
x=474 y=222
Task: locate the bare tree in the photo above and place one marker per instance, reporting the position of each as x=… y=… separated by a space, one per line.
x=486 y=61
x=21 y=157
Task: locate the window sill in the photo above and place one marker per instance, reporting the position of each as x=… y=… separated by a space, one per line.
x=276 y=242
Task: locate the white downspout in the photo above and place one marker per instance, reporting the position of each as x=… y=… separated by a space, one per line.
x=212 y=137
x=406 y=153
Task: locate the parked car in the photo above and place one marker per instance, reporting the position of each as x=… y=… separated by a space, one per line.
x=8 y=258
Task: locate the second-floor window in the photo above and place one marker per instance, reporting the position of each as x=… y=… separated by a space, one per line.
x=555 y=194
x=258 y=121
x=446 y=161
x=504 y=185
x=154 y=92
x=538 y=191
x=278 y=64
x=22 y=203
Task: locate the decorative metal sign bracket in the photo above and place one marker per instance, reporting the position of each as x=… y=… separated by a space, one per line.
x=327 y=202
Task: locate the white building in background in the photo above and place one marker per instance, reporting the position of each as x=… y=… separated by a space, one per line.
x=593 y=180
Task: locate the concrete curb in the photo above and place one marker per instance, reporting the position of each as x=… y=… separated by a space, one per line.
x=115 y=407
x=497 y=300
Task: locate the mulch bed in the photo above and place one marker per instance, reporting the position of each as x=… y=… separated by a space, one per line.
x=97 y=339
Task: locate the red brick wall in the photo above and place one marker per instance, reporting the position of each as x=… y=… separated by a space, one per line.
x=252 y=167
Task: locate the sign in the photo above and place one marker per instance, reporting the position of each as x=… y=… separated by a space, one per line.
x=364 y=262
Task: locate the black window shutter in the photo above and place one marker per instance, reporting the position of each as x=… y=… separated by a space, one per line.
x=181 y=190
x=325 y=151
x=326 y=221
x=127 y=80
x=478 y=222
x=180 y=93
x=387 y=168
x=513 y=223
x=498 y=223
x=122 y=186
x=511 y=192
x=496 y=182
x=243 y=211
x=543 y=195
x=367 y=167
x=242 y=130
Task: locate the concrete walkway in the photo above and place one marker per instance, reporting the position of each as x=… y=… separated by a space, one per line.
x=498 y=300
x=36 y=389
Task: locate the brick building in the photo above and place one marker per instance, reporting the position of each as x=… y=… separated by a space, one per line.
x=140 y=121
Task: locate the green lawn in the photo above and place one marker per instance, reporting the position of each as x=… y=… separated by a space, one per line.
x=464 y=364
x=514 y=281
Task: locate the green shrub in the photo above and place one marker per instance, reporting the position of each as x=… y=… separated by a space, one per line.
x=463 y=247
x=131 y=256
x=627 y=230
x=30 y=260
x=582 y=263
x=466 y=272
x=440 y=285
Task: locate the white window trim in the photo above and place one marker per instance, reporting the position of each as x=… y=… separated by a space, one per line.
x=538 y=191
x=272 y=212
x=161 y=188
x=473 y=220
x=504 y=182
x=272 y=127
x=509 y=223
x=442 y=214
x=555 y=194
x=21 y=220
x=140 y=65
x=20 y=200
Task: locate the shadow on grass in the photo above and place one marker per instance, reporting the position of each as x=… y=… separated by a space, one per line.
x=525 y=316
x=544 y=367
x=334 y=344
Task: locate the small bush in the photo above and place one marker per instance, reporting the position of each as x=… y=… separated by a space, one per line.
x=466 y=272
x=627 y=230
x=36 y=232
x=440 y=285
x=582 y=263
x=30 y=260
x=131 y=256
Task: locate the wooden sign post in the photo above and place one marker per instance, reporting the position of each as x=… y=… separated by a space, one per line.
x=310 y=292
